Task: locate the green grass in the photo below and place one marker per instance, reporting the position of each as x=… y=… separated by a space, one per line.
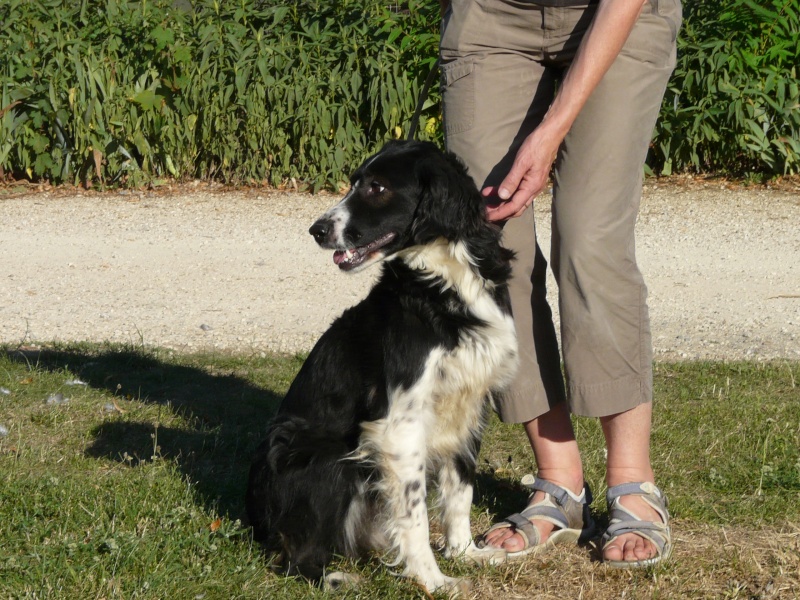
x=134 y=487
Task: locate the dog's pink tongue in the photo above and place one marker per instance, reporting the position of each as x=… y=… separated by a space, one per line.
x=338 y=256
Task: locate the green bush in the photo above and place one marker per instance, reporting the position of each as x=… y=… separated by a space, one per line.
x=125 y=92
x=733 y=104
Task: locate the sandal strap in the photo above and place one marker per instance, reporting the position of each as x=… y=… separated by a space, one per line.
x=561 y=495
x=622 y=520
x=524 y=527
x=657 y=533
x=642 y=488
x=649 y=493
x=558 y=507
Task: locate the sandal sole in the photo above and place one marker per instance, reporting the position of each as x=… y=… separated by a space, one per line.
x=498 y=556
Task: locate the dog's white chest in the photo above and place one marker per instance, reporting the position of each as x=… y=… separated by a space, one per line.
x=484 y=360
x=449 y=397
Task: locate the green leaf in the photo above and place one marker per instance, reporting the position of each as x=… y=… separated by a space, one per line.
x=182 y=54
x=148 y=99
x=43 y=163
x=163 y=37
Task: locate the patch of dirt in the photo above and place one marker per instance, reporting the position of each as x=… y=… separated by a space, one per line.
x=199 y=267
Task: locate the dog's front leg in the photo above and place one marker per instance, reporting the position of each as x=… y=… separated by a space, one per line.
x=455 y=500
x=403 y=457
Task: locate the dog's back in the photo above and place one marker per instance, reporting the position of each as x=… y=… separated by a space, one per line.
x=303 y=483
x=299 y=493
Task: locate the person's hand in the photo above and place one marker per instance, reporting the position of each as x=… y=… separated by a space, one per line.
x=527 y=177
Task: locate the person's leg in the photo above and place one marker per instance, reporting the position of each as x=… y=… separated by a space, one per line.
x=605 y=328
x=627 y=437
x=492 y=100
x=558 y=460
x=627 y=433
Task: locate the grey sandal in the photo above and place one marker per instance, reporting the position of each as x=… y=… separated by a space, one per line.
x=558 y=507
x=622 y=521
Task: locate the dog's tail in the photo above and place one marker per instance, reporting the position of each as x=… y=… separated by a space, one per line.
x=299 y=493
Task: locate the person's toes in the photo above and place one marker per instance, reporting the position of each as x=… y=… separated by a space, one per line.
x=506 y=538
x=511 y=541
x=514 y=543
x=497 y=537
x=630 y=548
x=613 y=551
x=644 y=549
x=517 y=542
x=623 y=548
x=630 y=551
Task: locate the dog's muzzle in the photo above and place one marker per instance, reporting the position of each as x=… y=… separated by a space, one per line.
x=321 y=230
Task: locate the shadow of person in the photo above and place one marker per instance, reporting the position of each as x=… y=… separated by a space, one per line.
x=224 y=416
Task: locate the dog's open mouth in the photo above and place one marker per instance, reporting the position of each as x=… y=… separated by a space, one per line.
x=353 y=257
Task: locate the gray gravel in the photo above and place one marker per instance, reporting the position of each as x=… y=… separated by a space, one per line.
x=200 y=268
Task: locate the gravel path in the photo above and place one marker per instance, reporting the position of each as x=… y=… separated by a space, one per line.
x=200 y=268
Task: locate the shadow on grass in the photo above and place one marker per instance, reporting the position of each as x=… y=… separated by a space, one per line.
x=224 y=417
x=499 y=496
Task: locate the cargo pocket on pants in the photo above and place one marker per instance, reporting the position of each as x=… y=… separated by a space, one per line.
x=458 y=93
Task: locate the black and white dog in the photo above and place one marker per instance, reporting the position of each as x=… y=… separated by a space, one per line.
x=397 y=390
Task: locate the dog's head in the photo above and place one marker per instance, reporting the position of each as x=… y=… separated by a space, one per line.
x=409 y=193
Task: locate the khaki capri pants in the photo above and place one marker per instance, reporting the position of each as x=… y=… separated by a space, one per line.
x=501 y=64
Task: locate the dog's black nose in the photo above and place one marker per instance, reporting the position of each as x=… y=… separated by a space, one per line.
x=320 y=230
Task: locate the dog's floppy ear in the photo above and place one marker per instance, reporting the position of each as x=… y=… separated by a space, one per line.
x=450 y=204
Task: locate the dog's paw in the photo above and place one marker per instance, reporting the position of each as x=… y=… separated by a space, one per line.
x=456 y=551
x=457 y=587
x=452 y=587
x=339 y=581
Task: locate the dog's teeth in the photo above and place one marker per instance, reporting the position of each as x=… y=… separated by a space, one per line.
x=349 y=254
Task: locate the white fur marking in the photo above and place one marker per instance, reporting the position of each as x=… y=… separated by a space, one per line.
x=433 y=421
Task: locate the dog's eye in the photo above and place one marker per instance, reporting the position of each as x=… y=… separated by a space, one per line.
x=376 y=188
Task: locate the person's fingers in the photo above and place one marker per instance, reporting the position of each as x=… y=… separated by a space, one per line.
x=513 y=179
x=523 y=182
x=523 y=207
x=510 y=209
x=521 y=199
x=502 y=212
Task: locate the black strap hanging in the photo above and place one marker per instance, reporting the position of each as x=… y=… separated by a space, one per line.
x=412 y=130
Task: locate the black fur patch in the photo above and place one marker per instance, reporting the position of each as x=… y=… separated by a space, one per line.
x=303 y=481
